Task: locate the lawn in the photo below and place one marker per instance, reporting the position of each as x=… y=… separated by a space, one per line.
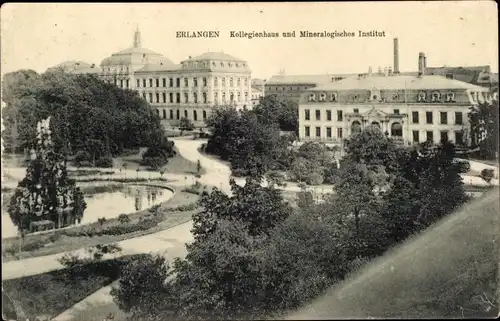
x=54 y=292
x=448 y=271
x=74 y=238
x=175 y=165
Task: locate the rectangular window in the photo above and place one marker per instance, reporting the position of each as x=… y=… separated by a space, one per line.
x=339 y=115
x=328 y=132
x=396 y=111
x=164 y=82
x=444 y=117
x=428 y=117
x=318 y=131
x=138 y=83
x=121 y=83
x=318 y=114
x=157 y=97
x=177 y=82
x=204 y=81
x=164 y=114
x=171 y=82
x=144 y=83
x=178 y=98
x=164 y=97
x=307 y=115
x=328 y=115
x=157 y=82
x=127 y=83
x=150 y=82
x=458 y=118
x=414 y=117
x=444 y=136
x=430 y=136
x=307 y=131
x=186 y=82
x=459 y=137
x=356 y=110
x=171 y=97
x=186 y=98
x=416 y=136
x=150 y=97
x=339 y=133
x=195 y=82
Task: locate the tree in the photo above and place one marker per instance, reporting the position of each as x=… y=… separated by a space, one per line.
x=83 y=108
x=144 y=289
x=484 y=124
x=273 y=109
x=185 y=124
x=487 y=174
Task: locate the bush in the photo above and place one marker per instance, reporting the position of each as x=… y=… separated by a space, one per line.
x=130 y=152
x=239 y=172
x=83 y=158
x=154 y=162
x=487 y=174
x=463 y=166
x=105 y=162
x=123 y=219
x=101 y=220
x=183 y=208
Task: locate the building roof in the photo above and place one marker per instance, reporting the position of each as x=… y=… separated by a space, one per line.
x=425 y=82
x=89 y=70
x=159 y=67
x=215 y=56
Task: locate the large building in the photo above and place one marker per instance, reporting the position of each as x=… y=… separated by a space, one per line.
x=189 y=89
x=291 y=87
x=410 y=109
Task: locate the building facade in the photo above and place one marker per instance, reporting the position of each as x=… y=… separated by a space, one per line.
x=409 y=109
x=190 y=89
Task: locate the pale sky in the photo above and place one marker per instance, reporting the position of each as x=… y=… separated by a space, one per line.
x=39 y=36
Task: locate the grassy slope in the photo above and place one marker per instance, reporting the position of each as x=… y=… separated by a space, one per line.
x=450 y=270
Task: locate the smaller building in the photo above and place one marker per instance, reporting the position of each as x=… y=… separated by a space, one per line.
x=257 y=94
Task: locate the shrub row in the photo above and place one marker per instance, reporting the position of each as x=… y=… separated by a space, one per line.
x=183 y=208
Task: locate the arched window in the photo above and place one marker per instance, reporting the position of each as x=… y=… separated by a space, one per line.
x=231 y=96
x=204 y=98
x=396 y=130
x=171 y=114
x=355 y=127
x=375 y=125
x=164 y=114
x=195 y=115
x=178 y=114
x=204 y=114
x=185 y=113
x=204 y=81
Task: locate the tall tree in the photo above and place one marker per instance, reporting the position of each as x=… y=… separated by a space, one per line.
x=273 y=109
x=483 y=120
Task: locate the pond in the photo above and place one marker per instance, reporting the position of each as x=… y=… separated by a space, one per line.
x=109 y=204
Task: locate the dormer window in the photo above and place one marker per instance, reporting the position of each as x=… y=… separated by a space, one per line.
x=436 y=96
x=333 y=97
x=450 y=97
x=214 y=64
x=312 y=97
x=322 y=97
x=421 y=96
x=395 y=96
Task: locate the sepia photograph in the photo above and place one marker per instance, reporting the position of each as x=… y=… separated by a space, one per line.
x=250 y=161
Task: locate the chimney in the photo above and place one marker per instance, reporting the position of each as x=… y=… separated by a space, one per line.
x=425 y=62
x=421 y=59
x=396 y=56
x=386 y=71
x=390 y=71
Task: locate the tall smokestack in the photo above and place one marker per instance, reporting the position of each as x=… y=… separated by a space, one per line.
x=396 y=56
x=421 y=62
